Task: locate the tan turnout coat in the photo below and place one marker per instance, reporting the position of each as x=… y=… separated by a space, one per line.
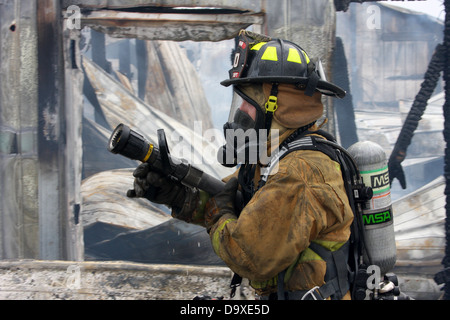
x=304 y=201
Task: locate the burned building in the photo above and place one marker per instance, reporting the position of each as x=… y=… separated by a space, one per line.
x=61 y=94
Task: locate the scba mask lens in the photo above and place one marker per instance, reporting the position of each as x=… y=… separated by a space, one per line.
x=242 y=114
x=241 y=132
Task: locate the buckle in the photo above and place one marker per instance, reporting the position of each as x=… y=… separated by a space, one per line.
x=272 y=104
x=312 y=294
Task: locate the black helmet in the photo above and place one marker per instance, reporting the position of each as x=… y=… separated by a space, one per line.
x=261 y=59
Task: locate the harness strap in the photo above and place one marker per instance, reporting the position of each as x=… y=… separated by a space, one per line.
x=336 y=277
x=337 y=273
x=305 y=143
x=316 y=293
x=281 y=294
x=235 y=282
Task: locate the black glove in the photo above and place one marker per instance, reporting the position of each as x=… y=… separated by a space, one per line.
x=157 y=188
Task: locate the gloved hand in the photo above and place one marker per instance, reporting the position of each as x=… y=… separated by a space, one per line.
x=162 y=190
x=156 y=187
x=221 y=204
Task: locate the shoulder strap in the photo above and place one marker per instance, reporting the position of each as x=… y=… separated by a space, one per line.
x=337 y=281
x=309 y=142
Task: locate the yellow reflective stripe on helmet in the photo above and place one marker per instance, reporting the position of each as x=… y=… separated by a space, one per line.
x=306 y=56
x=258 y=46
x=216 y=236
x=270 y=54
x=294 y=56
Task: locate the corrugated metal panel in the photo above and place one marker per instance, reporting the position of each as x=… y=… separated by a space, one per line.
x=419 y=220
x=419 y=228
x=387 y=59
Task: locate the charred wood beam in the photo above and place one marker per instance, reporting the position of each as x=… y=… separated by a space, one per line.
x=183 y=10
x=343 y=108
x=50 y=151
x=415 y=114
x=58 y=135
x=176 y=20
x=99 y=51
x=124 y=58
x=236 y=5
x=169 y=26
x=59 y=123
x=19 y=218
x=142 y=56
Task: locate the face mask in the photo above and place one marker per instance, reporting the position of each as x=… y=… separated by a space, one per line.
x=242 y=132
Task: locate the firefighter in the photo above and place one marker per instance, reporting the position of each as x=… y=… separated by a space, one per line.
x=287 y=212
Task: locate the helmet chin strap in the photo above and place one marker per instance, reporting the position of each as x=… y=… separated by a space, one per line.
x=271 y=106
